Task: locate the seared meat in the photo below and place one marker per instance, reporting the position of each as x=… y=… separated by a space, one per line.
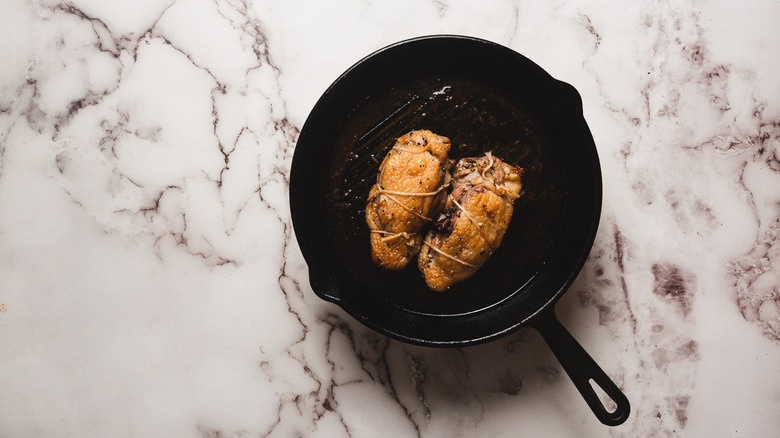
x=473 y=222
x=409 y=191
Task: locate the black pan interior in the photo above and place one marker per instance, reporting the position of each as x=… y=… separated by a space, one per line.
x=484 y=97
x=477 y=117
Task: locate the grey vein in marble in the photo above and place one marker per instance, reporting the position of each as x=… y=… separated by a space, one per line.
x=150 y=283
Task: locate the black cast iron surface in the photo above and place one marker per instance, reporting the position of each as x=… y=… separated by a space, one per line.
x=484 y=97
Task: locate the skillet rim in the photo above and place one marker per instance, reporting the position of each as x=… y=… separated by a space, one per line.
x=327 y=283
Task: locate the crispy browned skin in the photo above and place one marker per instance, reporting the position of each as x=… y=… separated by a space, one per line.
x=407 y=194
x=473 y=222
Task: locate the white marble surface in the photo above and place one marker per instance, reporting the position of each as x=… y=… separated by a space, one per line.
x=151 y=285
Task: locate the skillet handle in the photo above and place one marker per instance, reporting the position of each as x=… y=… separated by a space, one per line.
x=582 y=369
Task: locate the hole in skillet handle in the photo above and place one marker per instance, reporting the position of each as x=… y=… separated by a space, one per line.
x=584 y=372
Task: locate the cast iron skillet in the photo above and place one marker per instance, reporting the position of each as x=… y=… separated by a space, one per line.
x=484 y=97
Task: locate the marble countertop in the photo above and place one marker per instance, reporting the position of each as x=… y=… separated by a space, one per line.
x=151 y=283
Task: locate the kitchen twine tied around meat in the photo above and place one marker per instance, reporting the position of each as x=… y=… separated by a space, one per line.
x=405 y=235
x=498 y=189
x=390 y=194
